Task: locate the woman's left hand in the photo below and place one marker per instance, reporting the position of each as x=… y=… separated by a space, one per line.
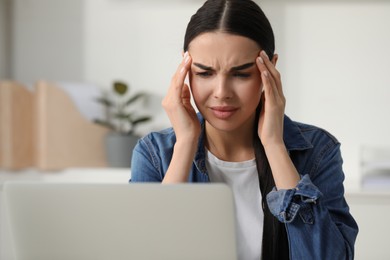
x=270 y=128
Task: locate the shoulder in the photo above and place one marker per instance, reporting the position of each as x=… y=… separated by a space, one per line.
x=151 y=155
x=314 y=132
x=301 y=136
x=316 y=152
x=159 y=139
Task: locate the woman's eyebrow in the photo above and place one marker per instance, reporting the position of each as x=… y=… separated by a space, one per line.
x=236 y=68
x=203 y=67
x=243 y=66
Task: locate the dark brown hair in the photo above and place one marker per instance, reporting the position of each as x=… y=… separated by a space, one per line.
x=240 y=17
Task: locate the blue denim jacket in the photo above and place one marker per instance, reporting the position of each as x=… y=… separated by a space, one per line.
x=316 y=215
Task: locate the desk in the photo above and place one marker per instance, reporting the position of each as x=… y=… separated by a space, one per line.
x=370 y=210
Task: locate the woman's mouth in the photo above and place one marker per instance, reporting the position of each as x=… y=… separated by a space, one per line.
x=223 y=112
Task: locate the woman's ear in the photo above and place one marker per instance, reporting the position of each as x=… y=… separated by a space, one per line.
x=275 y=59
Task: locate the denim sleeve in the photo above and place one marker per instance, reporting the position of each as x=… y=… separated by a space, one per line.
x=318 y=222
x=285 y=204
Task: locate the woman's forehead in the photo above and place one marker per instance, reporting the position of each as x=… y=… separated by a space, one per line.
x=223 y=49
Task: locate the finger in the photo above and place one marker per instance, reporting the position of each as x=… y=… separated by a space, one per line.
x=275 y=86
x=182 y=70
x=271 y=67
x=186 y=97
x=269 y=83
x=186 y=94
x=179 y=77
x=261 y=64
x=278 y=85
x=269 y=88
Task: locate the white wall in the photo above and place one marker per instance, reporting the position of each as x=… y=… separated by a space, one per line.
x=4 y=43
x=138 y=42
x=48 y=38
x=334 y=56
x=336 y=71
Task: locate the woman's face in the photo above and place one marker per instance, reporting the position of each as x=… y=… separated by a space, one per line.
x=224 y=79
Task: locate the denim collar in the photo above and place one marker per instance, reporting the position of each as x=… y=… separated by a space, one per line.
x=292 y=135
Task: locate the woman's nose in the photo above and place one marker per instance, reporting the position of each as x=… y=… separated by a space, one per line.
x=222 y=88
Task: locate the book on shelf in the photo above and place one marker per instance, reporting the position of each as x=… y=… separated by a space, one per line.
x=16 y=126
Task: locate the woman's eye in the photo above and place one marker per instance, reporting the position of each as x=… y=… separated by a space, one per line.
x=204 y=73
x=241 y=75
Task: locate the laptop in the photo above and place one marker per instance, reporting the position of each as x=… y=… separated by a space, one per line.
x=55 y=221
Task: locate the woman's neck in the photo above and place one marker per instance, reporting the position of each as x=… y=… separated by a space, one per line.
x=232 y=146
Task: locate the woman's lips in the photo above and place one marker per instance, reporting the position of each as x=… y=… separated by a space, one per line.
x=223 y=112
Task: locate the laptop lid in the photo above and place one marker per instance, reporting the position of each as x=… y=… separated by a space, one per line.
x=120 y=221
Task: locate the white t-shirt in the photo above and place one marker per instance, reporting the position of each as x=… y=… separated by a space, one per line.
x=243 y=179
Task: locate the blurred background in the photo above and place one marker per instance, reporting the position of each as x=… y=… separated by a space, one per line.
x=334 y=58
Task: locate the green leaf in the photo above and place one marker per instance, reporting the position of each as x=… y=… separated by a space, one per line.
x=104 y=123
x=135 y=98
x=141 y=120
x=105 y=101
x=122 y=116
x=120 y=88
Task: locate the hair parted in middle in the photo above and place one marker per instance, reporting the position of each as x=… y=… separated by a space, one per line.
x=239 y=17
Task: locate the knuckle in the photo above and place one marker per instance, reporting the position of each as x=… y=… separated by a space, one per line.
x=275 y=75
x=164 y=103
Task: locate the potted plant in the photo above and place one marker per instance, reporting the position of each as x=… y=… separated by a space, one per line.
x=122 y=121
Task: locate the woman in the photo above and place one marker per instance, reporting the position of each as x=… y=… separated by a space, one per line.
x=286 y=177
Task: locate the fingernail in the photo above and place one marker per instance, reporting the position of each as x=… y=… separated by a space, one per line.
x=264 y=54
x=186 y=57
x=261 y=60
x=265 y=73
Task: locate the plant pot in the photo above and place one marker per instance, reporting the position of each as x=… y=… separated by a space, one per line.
x=119 y=149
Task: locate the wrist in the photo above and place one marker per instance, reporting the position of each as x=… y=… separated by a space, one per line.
x=283 y=170
x=190 y=137
x=179 y=167
x=275 y=150
x=186 y=146
x=274 y=145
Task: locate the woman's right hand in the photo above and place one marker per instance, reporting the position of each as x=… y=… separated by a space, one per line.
x=177 y=105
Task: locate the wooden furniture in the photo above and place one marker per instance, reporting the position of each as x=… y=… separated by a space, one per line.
x=64 y=137
x=43 y=128
x=17 y=126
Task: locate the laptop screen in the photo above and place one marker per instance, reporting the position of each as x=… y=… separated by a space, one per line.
x=120 y=221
